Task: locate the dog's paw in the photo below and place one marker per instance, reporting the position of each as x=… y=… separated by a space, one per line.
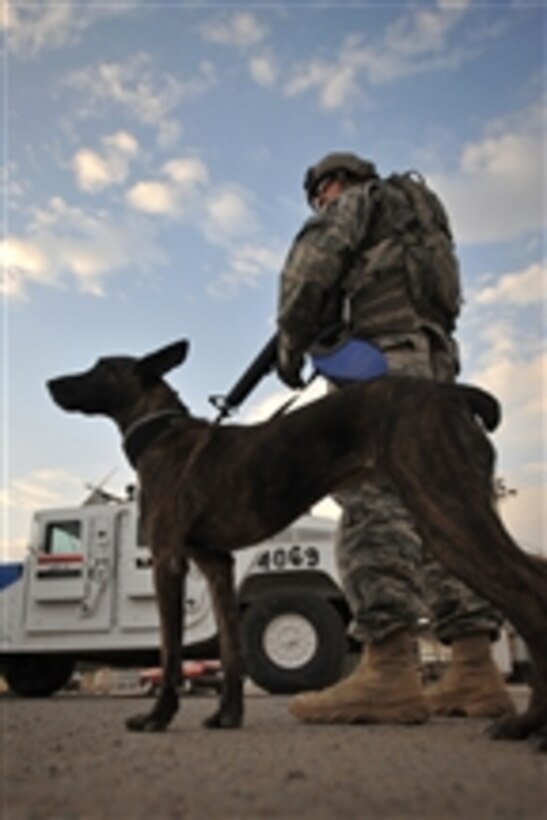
x=531 y=724
x=540 y=739
x=150 y=722
x=159 y=718
x=224 y=720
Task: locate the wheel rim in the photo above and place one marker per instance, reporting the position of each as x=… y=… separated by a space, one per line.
x=290 y=641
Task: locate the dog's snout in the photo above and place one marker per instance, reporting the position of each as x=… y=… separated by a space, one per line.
x=96 y=391
x=62 y=392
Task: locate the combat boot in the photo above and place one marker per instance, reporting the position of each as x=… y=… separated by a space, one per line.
x=472 y=685
x=383 y=688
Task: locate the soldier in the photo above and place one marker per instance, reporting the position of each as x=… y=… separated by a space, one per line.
x=378 y=254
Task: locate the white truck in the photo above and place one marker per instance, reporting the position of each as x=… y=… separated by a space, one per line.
x=84 y=593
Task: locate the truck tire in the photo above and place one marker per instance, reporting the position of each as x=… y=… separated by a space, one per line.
x=36 y=676
x=293 y=641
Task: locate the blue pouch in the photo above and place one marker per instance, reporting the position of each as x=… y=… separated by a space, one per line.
x=351 y=360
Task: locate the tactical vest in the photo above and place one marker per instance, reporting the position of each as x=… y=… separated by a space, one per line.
x=406 y=273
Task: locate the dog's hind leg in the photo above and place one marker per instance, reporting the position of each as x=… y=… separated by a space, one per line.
x=169 y=577
x=218 y=569
x=532 y=723
x=488 y=560
x=448 y=490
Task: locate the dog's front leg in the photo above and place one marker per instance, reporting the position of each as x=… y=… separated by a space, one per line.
x=169 y=576
x=218 y=569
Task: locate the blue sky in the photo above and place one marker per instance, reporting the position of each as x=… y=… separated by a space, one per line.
x=152 y=164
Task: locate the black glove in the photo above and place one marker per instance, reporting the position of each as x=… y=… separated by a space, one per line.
x=289 y=363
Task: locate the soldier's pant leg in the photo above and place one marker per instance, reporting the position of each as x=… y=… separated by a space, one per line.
x=388 y=577
x=455 y=609
x=379 y=558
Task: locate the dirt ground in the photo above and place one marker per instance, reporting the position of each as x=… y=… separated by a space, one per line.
x=70 y=757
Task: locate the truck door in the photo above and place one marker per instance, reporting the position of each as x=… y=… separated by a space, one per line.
x=71 y=572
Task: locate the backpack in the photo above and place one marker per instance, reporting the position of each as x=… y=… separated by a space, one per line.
x=417 y=215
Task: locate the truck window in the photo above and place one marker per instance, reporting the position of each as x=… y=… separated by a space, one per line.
x=63 y=538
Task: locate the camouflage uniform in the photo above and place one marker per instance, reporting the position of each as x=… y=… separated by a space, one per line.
x=332 y=271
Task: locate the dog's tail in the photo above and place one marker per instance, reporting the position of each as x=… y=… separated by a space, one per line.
x=483 y=404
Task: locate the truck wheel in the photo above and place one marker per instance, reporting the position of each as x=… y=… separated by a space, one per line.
x=293 y=642
x=36 y=676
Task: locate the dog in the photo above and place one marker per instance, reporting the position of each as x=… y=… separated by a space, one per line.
x=209 y=489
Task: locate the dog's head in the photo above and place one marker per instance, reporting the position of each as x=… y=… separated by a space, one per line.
x=115 y=382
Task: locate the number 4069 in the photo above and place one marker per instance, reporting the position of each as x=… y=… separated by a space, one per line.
x=283 y=558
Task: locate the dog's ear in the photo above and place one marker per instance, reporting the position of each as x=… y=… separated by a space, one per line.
x=163 y=360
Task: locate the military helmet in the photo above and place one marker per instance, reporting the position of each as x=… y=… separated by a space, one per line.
x=340 y=161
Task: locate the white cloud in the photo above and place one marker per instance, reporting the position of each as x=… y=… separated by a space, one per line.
x=168 y=133
x=181 y=192
x=21 y=262
x=228 y=214
x=415 y=42
x=497 y=192
x=12 y=188
x=339 y=88
x=123 y=142
x=95 y=171
x=522 y=288
x=506 y=350
x=241 y=29
x=263 y=70
x=505 y=154
x=505 y=353
x=336 y=83
x=34 y=27
x=64 y=240
x=42 y=488
x=135 y=85
x=153 y=197
x=421 y=32
x=518 y=381
x=246 y=266
x=222 y=213
x=188 y=172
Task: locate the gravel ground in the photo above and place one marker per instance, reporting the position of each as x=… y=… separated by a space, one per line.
x=70 y=757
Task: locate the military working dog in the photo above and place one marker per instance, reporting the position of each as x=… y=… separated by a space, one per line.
x=209 y=489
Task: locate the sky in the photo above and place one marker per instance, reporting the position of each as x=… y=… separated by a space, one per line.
x=152 y=158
